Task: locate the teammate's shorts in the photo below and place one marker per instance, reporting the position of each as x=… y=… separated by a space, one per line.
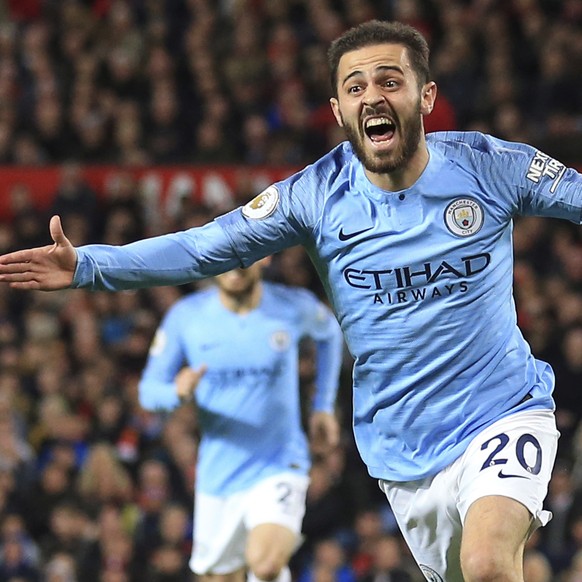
x=513 y=457
x=221 y=524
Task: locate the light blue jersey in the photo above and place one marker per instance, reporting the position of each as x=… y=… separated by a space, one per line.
x=248 y=400
x=420 y=281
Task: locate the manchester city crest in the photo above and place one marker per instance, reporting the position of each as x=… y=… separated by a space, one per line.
x=464 y=216
x=280 y=340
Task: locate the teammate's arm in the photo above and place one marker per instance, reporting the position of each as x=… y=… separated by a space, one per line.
x=322 y=327
x=187 y=380
x=157 y=385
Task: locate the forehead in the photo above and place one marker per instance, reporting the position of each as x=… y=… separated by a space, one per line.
x=247 y=272
x=373 y=57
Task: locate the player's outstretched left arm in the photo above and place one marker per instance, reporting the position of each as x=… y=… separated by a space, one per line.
x=46 y=268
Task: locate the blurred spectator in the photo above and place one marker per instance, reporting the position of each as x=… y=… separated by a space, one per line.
x=152 y=494
x=74 y=197
x=167 y=564
x=28 y=221
x=387 y=564
x=103 y=479
x=568 y=383
x=213 y=144
x=166 y=136
x=67 y=531
x=325 y=513
x=111 y=557
x=51 y=489
x=574 y=572
x=14 y=563
x=14 y=528
x=178 y=450
x=50 y=130
x=113 y=524
x=368 y=529
x=16 y=455
x=60 y=568
x=564 y=501
x=328 y=564
x=175 y=527
x=536 y=567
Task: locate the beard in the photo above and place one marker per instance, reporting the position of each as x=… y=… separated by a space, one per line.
x=384 y=163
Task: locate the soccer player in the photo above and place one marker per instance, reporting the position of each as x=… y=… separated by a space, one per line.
x=412 y=237
x=235 y=347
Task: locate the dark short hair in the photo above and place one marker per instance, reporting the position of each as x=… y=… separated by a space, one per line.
x=381 y=32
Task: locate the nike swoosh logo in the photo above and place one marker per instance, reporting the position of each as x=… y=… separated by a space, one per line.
x=343 y=236
x=502 y=475
x=205 y=347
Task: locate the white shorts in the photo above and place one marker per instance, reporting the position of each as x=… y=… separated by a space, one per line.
x=221 y=524
x=513 y=457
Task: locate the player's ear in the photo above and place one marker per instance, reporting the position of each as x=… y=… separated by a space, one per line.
x=336 y=112
x=428 y=97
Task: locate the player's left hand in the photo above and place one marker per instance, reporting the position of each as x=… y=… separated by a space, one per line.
x=324 y=432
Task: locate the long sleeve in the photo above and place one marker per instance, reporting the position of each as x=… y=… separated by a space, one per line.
x=322 y=327
x=157 y=389
x=171 y=259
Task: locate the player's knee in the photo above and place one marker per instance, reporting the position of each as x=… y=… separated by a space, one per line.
x=266 y=569
x=483 y=565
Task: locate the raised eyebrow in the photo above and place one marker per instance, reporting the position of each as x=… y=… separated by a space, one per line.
x=380 y=69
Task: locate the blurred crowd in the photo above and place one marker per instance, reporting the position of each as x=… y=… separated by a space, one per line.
x=92 y=487
x=214 y=81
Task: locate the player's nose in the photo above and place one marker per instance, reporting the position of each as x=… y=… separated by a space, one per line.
x=373 y=95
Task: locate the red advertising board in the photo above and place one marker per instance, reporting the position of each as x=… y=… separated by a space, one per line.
x=158 y=184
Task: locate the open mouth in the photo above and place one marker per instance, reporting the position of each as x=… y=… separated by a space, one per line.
x=379 y=129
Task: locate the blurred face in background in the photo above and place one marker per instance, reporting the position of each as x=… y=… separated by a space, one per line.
x=240 y=283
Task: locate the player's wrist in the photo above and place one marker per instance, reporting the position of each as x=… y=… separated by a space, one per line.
x=186 y=398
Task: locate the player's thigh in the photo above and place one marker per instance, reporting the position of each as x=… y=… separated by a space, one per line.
x=503 y=482
x=274 y=516
x=427 y=516
x=495 y=531
x=270 y=544
x=219 y=535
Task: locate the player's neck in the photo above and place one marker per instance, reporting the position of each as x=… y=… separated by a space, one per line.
x=242 y=303
x=404 y=177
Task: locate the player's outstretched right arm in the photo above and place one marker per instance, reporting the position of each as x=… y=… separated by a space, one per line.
x=46 y=268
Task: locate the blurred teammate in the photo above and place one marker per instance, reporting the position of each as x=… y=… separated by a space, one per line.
x=412 y=237
x=235 y=347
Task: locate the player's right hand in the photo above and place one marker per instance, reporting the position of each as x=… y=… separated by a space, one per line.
x=187 y=380
x=46 y=268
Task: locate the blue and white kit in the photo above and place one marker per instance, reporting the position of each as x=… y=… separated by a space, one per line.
x=420 y=281
x=248 y=406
